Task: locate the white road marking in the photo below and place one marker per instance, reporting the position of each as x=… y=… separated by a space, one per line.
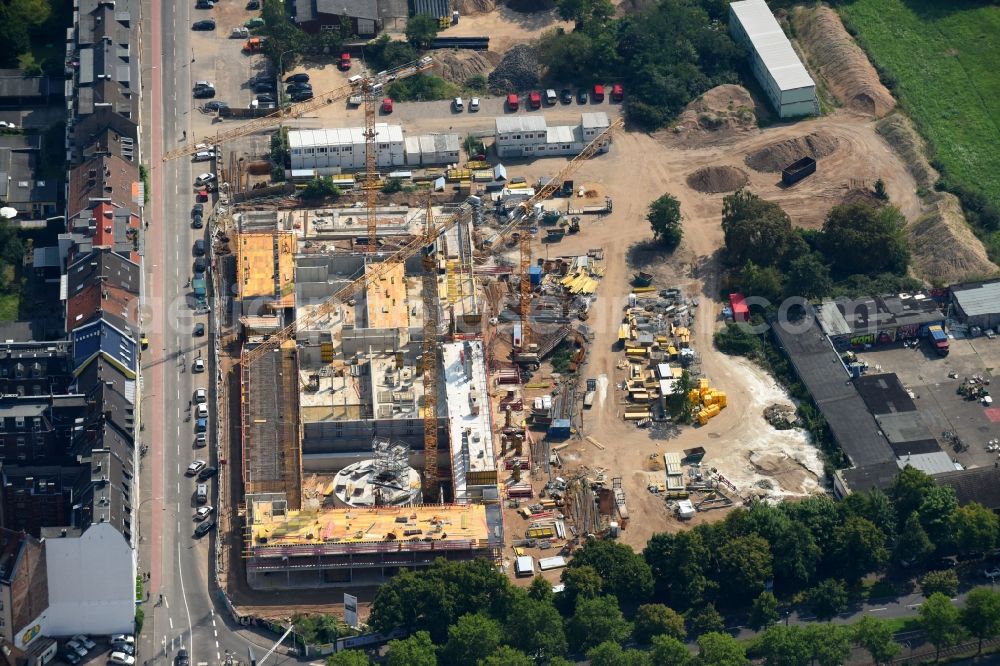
x=171 y=623
x=876 y=610
x=178 y=487
x=216 y=645
x=180 y=574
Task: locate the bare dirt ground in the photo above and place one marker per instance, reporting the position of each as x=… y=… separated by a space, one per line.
x=739 y=442
x=506 y=27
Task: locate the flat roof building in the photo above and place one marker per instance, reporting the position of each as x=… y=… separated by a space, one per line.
x=529 y=136
x=473 y=458
x=266 y=266
x=977 y=303
x=790 y=89
x=328 y=151
x=856 y=322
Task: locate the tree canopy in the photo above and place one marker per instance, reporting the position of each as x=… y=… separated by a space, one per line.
x=625 y=574
x=755 y=230
x=664 y=217
x=861 y=239
x=421 y=29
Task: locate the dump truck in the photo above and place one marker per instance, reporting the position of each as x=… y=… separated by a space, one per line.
x=939 y=339
x=588 y=397
x=798 y=170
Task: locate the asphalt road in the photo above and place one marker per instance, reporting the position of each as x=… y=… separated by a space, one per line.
x=191 y=613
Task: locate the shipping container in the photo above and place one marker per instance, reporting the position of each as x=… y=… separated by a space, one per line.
x=739 y=307
x=798 y=170
x=525 y=566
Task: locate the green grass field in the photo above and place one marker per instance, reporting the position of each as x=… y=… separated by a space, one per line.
x=945 y=56
x=9 y=305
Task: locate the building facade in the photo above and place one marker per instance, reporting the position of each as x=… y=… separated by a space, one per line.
x=529 y=136
x=329 y=151
x=24 y=588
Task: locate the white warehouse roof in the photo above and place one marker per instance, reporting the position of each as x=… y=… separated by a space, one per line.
x=562 y=134
x=507 y=124
x=594 y=120
x=343 y=136
x=771 y=45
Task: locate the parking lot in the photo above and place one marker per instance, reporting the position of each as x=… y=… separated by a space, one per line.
x=934 y=380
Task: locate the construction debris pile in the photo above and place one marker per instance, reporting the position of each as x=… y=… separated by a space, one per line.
x=517 y=71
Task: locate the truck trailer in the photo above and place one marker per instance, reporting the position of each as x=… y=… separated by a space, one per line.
x=939 y=339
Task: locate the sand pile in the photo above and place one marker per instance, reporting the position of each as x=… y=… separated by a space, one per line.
x=944 y=248
x=840 y=61
x=725 y=107
x=459 y=66
x=899 y=133
x=858 y=196
x=712 y=180
x=472 y=7
x=777 y=156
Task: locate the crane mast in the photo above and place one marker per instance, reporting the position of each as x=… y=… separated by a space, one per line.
x=430 y=360
x=371 y=164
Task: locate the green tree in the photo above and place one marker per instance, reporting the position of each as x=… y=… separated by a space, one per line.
x=585 y=12
x=610 y=653
x=875 y=636
x=535 y=628
x=755 y=230
x=319 y=188
x=974 y=528
x=657 y=620
x=808 y=277
x=472 y=638
x=582 y=582
x=764 y=611
x=936 y=511
x=879 y=190
x=945 y=582
x=784 y=646
x=664 y=217
x=508 y=656
x=908 y=490
x=860 y=239
x=764 y=282
x=623 y=571
x=14 y=38
x=317 y=629
x=421 y=30
x=796 y=555
x=707 y=620
x=417 y=650
x=677 y=562
x=745 y=565
x=981 y=615
x=385 y=53
x=541 y=589
x=940 y=621
x=859 y=547
x=668 y=650
x=718 y=649
x=828 y=599
x=913 y=546
x=830 y=643
x=594 y=622
x=347 y=658
x=678 y=401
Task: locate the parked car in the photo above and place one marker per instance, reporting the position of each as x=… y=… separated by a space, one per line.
x=199 y=330
x=197 y=209
x=204 y=93
x=204 y=528
x=598 y=92
x=512 y=102
x=199 y=247
x=199 y=266
x=195 y=467
x=581 y=96
x=123 y=638
x=551 y=97
x=345 y=62
x=181 y=658
x=207 y=473
x=197 y=222
x=301 y=96
x=473 y=105
x=70 y=657
x=265 y=87
x=991 y=573
x=387 y=105
x=253 y=4
x=456 y=104
x=203 y=512
x=566 y=95
x=535 y=99
x=617 y=94
x=123 y=647
x=121 y=659
x=202 y=411
x=255 y=22
x=205 y=24
x=204 y=4
x=264 y=99
x=200 y=396
x=200 y=440
x=85 y=642
x=201 y=425
x=292 y=88
x=77 y=648
x=204 y=156
x=199 y=365
x=297 y=78
x=204 y=178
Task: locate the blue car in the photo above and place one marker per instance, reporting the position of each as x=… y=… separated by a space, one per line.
x=201 y=425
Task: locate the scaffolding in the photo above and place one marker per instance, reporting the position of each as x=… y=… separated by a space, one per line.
x=391 y=460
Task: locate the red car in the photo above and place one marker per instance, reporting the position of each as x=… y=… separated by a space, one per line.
x=345 y=61
x=617 y=94
x=535 y=100
x=512 y=102
x=598 y=93
x=387 y=105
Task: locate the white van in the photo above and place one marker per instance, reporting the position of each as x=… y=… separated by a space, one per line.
x=355 y=80
x=201 y=493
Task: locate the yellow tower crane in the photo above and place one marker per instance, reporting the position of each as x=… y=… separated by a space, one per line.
x=430 y=359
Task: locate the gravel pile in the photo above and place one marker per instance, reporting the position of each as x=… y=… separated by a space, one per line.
x=517 y=71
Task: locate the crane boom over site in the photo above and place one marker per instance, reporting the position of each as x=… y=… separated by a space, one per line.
x=296 y=110
x=379 y=270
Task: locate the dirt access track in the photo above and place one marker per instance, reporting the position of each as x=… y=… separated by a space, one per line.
x=639 y=168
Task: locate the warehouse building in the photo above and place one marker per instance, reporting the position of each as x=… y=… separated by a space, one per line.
x=329 y=151
x=776 y=66
x=857 y=323
x=977 y=304
x=529 y=136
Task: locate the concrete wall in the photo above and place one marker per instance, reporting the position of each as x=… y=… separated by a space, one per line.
x=91 y=583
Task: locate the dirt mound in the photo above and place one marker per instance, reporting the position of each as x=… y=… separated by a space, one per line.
x=473 y=7
x=899 y=133
x=840 y=61
x=721 y=111
x=944 y=248
x=518 y=70
x=712 y=180
x=859 y=196
x=777 y=156
x=459 y=66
